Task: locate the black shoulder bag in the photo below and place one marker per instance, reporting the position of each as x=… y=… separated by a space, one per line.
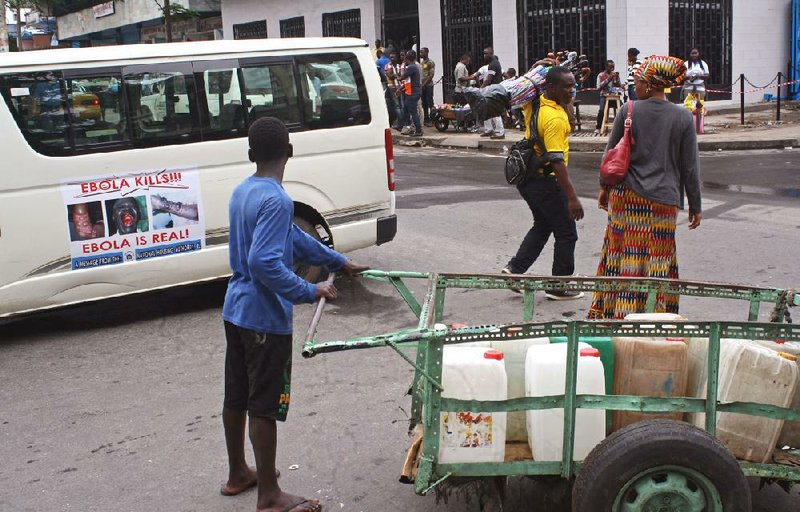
x=522 y=162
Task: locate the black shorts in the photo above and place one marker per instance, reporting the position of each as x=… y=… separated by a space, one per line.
x=258 y=372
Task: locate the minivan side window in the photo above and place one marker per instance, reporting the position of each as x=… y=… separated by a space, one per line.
x=38 y=103
x=333 y=91
x=271 y=90
x=163 y=107
x=224 y=107
x=60 y=115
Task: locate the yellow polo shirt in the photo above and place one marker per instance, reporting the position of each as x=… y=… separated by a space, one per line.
x=554 y=127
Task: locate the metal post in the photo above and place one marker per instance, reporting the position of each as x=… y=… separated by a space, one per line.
x=741 y=94
x=570 y=388
x=780 y=78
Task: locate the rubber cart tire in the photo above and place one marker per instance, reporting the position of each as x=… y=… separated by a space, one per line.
x=441 y=124
x=311 y=273
x=660 y=465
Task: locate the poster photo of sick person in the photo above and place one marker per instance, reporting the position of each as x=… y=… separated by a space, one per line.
x=127 y=215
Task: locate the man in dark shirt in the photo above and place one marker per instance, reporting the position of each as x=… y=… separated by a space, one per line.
x=493 y=127
x=411 y=91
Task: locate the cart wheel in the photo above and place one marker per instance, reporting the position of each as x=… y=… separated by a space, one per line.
x=311 y=273
x=661 y=465
x=441 y=124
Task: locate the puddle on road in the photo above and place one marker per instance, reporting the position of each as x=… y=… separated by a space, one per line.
x=752 y=189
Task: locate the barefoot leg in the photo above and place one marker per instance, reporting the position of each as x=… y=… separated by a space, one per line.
x=240 y=475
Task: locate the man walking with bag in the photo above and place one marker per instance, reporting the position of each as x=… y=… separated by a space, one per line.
x=549 y=191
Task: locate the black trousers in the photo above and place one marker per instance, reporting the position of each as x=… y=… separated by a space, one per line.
x=548 y=204
x=427 y=101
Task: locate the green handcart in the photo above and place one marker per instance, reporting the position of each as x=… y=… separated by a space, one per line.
x=654 y=465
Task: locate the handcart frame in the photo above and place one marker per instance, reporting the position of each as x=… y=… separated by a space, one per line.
x=427 y=390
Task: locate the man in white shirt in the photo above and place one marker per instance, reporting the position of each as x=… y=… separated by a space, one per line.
x=696 y=75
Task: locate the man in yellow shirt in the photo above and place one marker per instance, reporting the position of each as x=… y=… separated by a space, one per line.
x=549 y=193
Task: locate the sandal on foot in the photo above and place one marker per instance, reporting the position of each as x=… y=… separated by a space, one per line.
x=304 y=504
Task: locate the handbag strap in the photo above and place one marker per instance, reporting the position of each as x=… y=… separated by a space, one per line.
x=536 y=139
x=629 y=123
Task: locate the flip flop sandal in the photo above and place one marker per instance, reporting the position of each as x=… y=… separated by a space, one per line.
x=296 y=507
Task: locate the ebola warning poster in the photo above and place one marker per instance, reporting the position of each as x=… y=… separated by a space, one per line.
x=124 y=218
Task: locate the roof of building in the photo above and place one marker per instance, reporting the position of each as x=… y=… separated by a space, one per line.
x=184 y=49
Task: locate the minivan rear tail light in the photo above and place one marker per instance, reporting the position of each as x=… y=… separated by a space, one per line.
x=389 y=158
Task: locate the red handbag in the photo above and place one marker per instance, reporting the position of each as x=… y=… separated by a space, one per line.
x=618 y=159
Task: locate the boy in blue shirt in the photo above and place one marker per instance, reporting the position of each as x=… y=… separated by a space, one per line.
x=258 y=315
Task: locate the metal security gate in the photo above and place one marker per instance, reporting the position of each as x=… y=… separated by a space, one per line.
x=250 y=30
x=706 y=26
x=547 y=25
x=342 y=23
x=466 y=28
x=293 y=27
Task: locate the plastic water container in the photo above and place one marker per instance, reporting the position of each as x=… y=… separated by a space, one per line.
x=606 y=348
x=648 y=367
x=545 y=375
x=790 y=434
x=515 y=351
x=780 y=346
x=751 y=373
x=473 y=373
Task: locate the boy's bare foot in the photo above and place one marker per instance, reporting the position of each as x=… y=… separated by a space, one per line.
x=236 y=486
x=288 y=503
x=240 y=483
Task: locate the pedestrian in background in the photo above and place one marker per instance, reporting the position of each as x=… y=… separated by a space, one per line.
x=378 y=47
x=493 y=127
x=608 y=82
x=258 y=315
x=411 y=91
x=549 y=192
x=427 y=75
x=460 y=74
x=633 y=65
x=642 y=209
x=392 y=101
x=696 y=75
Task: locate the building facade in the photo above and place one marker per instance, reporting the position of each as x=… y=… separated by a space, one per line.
x=733 y=36
x=137 y=21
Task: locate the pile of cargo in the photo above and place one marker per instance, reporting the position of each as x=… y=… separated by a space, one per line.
x=749 y=371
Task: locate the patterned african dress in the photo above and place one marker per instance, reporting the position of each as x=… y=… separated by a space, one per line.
x=639 y=242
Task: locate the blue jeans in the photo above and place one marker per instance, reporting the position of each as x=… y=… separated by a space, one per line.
x=410 y=110
x=391 y=106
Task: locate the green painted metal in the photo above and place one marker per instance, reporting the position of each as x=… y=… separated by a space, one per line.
x=432 y=407
x=404 y=292
x=650 y=305
x=755 y=308
x=570 y=388
x=528 y=305
x=427 y=402
x=668 y=488
x=712 y=387
x=435 y=484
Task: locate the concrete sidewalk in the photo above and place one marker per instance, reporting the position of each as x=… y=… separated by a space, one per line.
x=723 y=132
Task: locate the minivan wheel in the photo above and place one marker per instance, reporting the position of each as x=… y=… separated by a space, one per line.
x=311 y=273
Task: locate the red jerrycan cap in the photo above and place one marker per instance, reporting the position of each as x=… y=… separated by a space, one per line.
x=459 y=326
x=780 y=342
x=590 y=352
x=493 y=354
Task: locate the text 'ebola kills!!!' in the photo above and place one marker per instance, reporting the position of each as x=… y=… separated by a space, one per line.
x=117 y=184
x=138 y=241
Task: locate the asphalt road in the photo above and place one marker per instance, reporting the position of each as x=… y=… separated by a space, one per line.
x=115 y=405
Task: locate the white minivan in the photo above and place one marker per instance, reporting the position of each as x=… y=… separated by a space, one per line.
x=118 y=162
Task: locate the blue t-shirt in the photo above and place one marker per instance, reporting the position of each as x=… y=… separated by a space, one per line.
x=262 y=246
x=381 y=65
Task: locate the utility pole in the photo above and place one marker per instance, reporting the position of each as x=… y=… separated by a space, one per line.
x=19 y=26
x=167 y=21
x=3 y=29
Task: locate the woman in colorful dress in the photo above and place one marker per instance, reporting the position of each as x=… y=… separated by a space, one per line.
x=643 y=208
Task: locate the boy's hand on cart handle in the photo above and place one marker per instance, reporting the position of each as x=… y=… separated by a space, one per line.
x=694 y=219
x=352 y=269
x=326 y=290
